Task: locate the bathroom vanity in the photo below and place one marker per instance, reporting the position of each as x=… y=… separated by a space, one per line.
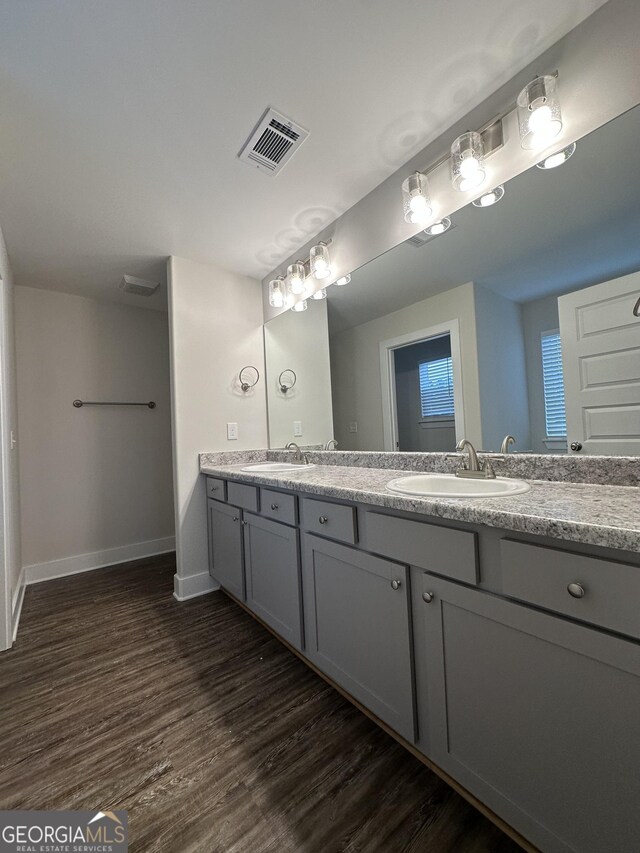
x=498 y=639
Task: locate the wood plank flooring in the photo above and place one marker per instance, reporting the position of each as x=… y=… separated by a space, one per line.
x=212 y=735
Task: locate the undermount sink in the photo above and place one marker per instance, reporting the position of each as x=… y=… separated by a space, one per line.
x=277 y=466
x=450 y=486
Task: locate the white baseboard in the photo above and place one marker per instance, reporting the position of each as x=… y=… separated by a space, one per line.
x=97 y=560
x=193 y=586
x=16 y=605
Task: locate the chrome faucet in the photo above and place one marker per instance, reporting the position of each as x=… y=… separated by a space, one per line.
x=299 y=458
x=508 y=439
x=329 y=443
x=475 y=469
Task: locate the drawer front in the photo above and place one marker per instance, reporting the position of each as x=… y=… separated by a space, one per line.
x=442 y=550
x=240 y=494
x=216 y=488
x=278 y=506
x=328 y=519
x=605 y=593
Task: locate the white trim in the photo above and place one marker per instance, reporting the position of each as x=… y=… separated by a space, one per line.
x=193 y=586
x=16 y=609
x=97 y=560
x=388 y=378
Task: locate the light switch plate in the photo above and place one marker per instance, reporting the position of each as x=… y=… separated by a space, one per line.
x=353 y=426
x=297 y=428
x=232 y=432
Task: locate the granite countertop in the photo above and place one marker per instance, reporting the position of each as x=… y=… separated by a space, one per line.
x=608 y=516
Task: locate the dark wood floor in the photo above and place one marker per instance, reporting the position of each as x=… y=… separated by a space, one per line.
x=206 y=729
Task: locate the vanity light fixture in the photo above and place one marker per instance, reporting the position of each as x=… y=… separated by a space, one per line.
x=491 y=197
x=415 y=199
x=467 y=161
x=277 y=292
x=320 y=294
x=319 y=261
x=295 y=278
x=558 y=158
x=539 y=115
x=438 y=227
x=344 y=280
x=300 y=306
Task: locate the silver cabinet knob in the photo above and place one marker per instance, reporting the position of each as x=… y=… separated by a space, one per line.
x=274 y=506
x=396 y=584
x=245 y=523
x=428 y=597
x=576 y=590
x=213 y=488
x=576 y=446
x=235 y=517
x=323 y=519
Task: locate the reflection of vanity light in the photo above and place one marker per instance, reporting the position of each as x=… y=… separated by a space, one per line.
x=344 y=280
x=467 y=162
x=320 y=294
x=277 y=292
x=300 y=306
x=295 y=278
x=487 y=199
x=415 y=198
x=438 y=227
x=319 y=261
x=539 y=116
x=558 y=158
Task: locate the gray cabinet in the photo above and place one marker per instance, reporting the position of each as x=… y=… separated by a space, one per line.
x=356 y=614
x=225 y=546
x=272 y=571
x=535 y=715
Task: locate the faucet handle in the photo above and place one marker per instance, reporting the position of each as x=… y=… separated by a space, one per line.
x=489 y=472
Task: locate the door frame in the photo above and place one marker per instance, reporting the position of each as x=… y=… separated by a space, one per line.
x=388 y=377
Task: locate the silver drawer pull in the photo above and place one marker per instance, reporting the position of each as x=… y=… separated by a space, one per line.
x=213 y=488
x=235 y=517
x=396 y=584
x=274 y=506
x=427 y=597
x=323 y=519
x=576 y=590
x=245 y=523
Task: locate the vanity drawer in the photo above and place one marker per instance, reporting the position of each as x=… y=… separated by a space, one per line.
x=279 y=506
x=335 y=521
x=240 y=494
x=216 y=488
x=542 y=576
x=442 y=550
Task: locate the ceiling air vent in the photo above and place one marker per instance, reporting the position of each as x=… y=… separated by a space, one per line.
x=139 y=286
x=273 y=142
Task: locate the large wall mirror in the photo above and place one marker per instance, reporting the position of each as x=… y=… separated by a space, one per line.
x=520 y=319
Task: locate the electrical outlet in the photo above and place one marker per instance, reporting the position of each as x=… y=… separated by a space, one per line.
x=353 y=426
x=232 y=432
x=297 y=428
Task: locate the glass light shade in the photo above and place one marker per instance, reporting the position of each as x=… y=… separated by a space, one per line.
x=277 y=294
x=489 y=198
x=300 y=306
x=295 y=278
x=415 y=199
x=344 y=280
x=558 y=158
x=438 y=227
x=467 y=162
x=539 y=115
x=320 y=294
x=319 y=260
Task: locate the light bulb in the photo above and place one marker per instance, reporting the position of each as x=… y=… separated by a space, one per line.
x=469 y=166
x=415 y=197
x=438 y=227
x=319 y=294
x=344 y=280
x=319 y=261
x=558 y=158
x=489 y=198
x=300 y=306
x=467 y=161
x=276 y=293
x=540 y=119
x=296 y=277
x=539 y=115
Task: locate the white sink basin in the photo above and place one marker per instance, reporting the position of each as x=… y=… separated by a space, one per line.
x=450 y=486
x=274 y=467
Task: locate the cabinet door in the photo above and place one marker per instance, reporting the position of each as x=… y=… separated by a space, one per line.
x=225 y=547
x=272 y=568
x=535 y=715
x=356 y=610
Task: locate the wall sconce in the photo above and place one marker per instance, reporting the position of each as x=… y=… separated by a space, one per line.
x=295 y=278
x=467 y=161
x=277 y=292
x=300 y=306
x=415 y=199
x=438 y=227
x=557 y=159
x=344 y=280
x=245 y=383
x=491 y=197
x=320 y=294
x=282 y=380
x=539 y=116
x=319 y=261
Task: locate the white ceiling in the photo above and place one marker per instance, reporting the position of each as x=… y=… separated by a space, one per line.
x=122 y=119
